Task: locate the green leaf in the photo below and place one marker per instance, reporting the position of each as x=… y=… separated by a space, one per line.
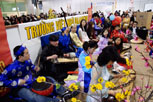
x=57 y=86
x=78 y=83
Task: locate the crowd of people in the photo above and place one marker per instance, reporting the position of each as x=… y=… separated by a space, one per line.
x=14 y=19
x=96 y=37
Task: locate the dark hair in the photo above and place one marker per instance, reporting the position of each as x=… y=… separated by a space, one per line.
x=109 y=53
x=15 y=50
x=120 y=46
x=95 y=15
x=117 y=26
x=53 y=37
x=91 y=44
x=135 y=22
x=90 y=30
x=102 y=33
x=85 y=27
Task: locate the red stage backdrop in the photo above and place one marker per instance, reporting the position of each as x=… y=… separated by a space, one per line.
x=5 y=55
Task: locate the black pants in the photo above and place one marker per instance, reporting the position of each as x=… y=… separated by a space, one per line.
x=59 y=70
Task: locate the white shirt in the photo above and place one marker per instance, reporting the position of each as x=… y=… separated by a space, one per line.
x=134 y=32
x=83 y=35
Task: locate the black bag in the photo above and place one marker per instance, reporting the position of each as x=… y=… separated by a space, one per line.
x=142 y=33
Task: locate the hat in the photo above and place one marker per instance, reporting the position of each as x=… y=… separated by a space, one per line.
x=63 y=29
x=53 y=37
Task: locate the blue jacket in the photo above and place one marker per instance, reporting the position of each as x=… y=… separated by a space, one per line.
x=82 y=62
x=15 y=71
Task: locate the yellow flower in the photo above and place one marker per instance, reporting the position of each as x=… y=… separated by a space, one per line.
x=124 y=80
x=129 y=93
x=100 y=80
x=122 y=96
x=87 y=59
x=112 y=85
x=73 y=87
x=73 y=99
x=119 y=96
x=87 y=64
x=131 y=57
x=41 y=79
x=109 y=84
x=99 y=86
x=126 y=72
x=127 y=62
x=126 y=92
x=93 y=88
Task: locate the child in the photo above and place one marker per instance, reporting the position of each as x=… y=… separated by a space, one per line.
x=116 y=32
x=85 y=64
x=91 y=31
x=118 y=43
x=103 y=42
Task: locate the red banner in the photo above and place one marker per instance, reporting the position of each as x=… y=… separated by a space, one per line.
x=89 y=14
x=5 y=55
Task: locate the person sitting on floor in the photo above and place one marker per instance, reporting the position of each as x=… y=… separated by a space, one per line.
x=91 y=31
x=48 y=60
x=132 y=31
x=118 y=43
x=65 y=41
x=85 y=64
x=74 y=37
x=107 y=57
x=97 y=23
x=103 y=41
x=116 y=32
x=18 y=77
x=83 y=31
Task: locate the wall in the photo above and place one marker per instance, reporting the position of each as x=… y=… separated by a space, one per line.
x=76 y=5
x=83 y=5
x=138 y=4
x=30 y=7
x=13 y=39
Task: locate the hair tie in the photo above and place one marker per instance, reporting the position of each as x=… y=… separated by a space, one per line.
x=21 y=49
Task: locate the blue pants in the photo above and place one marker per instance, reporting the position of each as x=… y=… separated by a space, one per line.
x=30 y=96
x=87 y=79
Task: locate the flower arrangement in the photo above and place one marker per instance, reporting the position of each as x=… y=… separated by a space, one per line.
x=73 y=87
x=144 y=92
x=123 y=95
x=147 y=64
x=93 y=88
